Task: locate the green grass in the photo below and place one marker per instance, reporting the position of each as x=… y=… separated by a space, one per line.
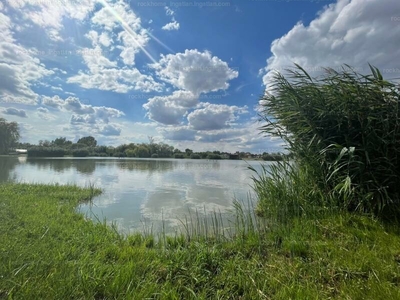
x=49 y=251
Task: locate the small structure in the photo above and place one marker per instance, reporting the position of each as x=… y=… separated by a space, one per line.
x=19 y=152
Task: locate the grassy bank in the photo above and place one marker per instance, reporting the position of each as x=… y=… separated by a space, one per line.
x=49 y=251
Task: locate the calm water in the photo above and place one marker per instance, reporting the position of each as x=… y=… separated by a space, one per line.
x=141 y=191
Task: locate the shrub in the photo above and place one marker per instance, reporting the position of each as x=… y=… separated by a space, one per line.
x=119 y=154
x=46 y=152
x=130 y=153
x=214 y=156
x=80 y=152
x=195 y=156
x=154 y=155
x=344 y=131
x=179 y=155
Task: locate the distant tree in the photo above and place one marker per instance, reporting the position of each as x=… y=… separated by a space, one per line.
x=130 y=153
x=142 y=151
x=44 y=143
x=61 y=142
x=40 y=151
x=188 y=152
x=214 y=156
x=179 y=155
x=151 y=139
x=203 y=154
x=89 y=141
x=80 y=152
x=9 y=135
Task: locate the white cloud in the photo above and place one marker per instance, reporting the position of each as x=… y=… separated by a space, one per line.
x=174 y=25
x=19 y=69
x=172 y=108
x=44 y=114
x=86 y=119
x=105 y=39
x=110 y=130
x=194 y=71
x=165 y=112
x=42 y=110
x=131 y=38
x=117 y=80
x=15 y=112
x=169 y=11
x=50 y=14
x=55 y=101
x=214 y=116
x=82 y=113
x=173 y=133
x=73 y=104
x=354 y=32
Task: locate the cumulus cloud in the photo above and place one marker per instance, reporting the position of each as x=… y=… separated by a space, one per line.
x=42 y=110
x=194 y=71
x=73 y=104
x=174 y=25
x=55 y=101
x=110 y=130
x=130 y=38
x=165 y=112
x=44 y=114
x=232 y=135
x=181 y=133
x=50 y=14
x=82 y=113
x=214 y=116
x=19 y=68
x=354 y=32
x=116 y=80
x=15 y=112
x=133 y=37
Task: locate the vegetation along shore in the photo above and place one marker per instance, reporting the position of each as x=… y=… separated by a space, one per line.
x=325 y=225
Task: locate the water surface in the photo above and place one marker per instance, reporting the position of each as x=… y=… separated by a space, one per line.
x=141 y=191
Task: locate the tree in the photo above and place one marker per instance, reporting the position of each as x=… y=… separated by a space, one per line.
x=88 y=141
x=61 y=142
x=142 y=151
x=9 y=135
x=188 y=152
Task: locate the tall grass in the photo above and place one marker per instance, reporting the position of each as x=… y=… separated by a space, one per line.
x=343 y=131
x=50 y=251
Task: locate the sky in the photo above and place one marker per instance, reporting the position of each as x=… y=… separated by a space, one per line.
x=187 y=73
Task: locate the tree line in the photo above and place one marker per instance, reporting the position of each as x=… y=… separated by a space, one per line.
x=88 y=146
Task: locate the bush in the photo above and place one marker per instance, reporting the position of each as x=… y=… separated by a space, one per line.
x=46 y=152
x=130 y=153
x=272 y=157
x=214 y=156
x=80 y=152
x=154 y=155
x=195 y=156
x=344 y=131
x=179 y=155
x=119 y=154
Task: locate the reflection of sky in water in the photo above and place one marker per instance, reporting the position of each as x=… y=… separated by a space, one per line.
x=137 y=190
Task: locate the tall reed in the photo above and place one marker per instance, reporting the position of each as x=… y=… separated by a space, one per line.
x=343 y=131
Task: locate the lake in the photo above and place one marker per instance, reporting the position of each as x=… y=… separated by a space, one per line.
x=140 y=192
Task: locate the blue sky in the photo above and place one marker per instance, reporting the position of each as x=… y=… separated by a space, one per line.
x=188 y=73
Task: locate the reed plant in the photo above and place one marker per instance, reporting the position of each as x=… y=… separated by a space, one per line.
x=343 y=132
